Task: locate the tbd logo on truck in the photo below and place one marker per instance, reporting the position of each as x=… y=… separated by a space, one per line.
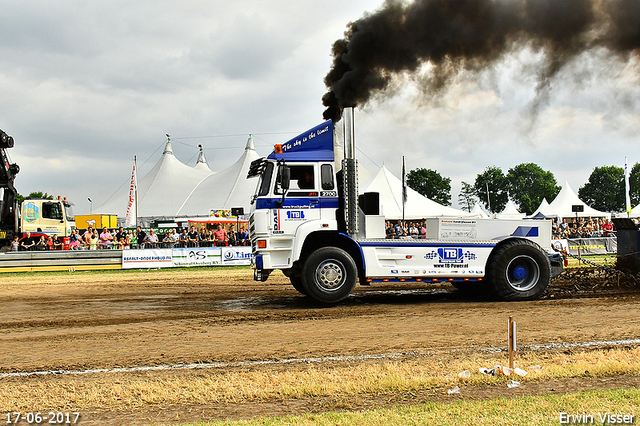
x=295 y=215
x=450 y=255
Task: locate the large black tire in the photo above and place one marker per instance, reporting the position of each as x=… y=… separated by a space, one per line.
x=518 y=270
x=296 y=282
x=329 y=275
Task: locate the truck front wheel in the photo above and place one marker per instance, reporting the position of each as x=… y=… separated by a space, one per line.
x=296 y=282
x=329 y=275
x=518 y=270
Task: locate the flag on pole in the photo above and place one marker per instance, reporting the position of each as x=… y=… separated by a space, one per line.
x=626 y=187
x=404 y=188
x=132 y=214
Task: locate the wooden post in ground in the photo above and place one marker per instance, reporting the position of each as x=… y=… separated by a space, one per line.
x=512 y=340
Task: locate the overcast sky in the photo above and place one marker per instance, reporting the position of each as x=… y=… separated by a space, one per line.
x=86 y=86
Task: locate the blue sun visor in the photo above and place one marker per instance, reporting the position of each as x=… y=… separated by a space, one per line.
x=315 y=144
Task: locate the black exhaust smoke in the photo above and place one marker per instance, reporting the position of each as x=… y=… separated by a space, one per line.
x=470 y=35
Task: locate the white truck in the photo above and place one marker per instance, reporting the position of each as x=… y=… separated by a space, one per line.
x=307 y=220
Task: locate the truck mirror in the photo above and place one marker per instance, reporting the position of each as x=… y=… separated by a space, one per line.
x=286 y=178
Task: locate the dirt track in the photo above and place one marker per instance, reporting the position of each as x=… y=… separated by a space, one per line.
x=78 y=321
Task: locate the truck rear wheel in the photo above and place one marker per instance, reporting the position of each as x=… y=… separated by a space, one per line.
x=518 y=270
x=329 y=275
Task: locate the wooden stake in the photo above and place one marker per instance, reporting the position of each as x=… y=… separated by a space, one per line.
x=512 y=341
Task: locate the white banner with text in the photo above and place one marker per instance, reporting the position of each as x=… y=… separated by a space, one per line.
x=147 y=258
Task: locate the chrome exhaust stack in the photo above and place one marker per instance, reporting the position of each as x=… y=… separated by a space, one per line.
x=350 y=174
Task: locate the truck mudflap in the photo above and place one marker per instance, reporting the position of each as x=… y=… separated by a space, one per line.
x=557 y=264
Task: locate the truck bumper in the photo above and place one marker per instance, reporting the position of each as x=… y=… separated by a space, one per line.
x=259 y=273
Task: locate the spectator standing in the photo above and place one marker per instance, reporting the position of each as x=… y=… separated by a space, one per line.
x=184 y=238
x=193 y=237
x=152 y=239
x=243 y=236
x=42 y=243
x=232 y=236
x=106 y=239
x=27 y=242
x=120 y=235
x=220 y=236
x=93 y=240
x=55 y=243
x=15 y=245
x=141 y=237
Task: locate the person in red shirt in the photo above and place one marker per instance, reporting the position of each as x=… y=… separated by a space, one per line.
x=220 y=236
x=607 y=228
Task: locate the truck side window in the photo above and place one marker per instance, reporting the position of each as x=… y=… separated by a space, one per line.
x=51 y=211
x=326 y=174
x=303 y=176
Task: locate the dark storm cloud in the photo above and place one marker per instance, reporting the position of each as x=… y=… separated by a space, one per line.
x=470 y=35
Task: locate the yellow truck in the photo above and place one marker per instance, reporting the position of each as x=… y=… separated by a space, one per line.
x=96 y=221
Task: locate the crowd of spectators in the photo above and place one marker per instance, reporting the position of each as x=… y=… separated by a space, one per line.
x=121 y=239
x=405 y=229
x=583 y=228
x=566 y=228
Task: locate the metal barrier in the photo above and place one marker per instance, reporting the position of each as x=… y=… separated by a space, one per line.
x=60 y=260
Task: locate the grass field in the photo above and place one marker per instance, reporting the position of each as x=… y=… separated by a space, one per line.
x=528 y=410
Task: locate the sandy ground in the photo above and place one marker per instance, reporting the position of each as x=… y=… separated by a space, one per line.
x=81 y=321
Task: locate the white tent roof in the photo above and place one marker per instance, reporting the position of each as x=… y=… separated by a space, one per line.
x=201 y=164
x=479 y=212
x=510 y=212
x=543 y=205
x=635 y=212
x=224 y=190
x=417 y=207
x=561 y=205
x=162 y=190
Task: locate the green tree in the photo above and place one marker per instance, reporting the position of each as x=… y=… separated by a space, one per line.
x=634 y=185
x=33 y=195
x=528 y=184
x=467 y=197
x=493 y=180
x=430 y=184
x=604 y=190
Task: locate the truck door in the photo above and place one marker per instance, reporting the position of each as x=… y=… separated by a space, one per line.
x=301 y=202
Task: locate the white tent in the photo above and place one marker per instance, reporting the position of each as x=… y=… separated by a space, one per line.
x=417 y=207
x=635 y=212
x=543 y=205
x=224 y=190
x=561 y=206
x=163 y=189
x=479 y=212
x=510 y=212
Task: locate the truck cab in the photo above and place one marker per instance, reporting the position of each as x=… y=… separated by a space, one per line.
x=306 y=220
x=48 y=217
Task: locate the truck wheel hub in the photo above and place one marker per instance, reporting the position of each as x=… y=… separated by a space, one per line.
x=329 y=274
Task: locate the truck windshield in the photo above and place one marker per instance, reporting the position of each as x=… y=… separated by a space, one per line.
x=68 y=212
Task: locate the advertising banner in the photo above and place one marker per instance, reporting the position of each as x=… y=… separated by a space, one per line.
x=197 y=256
x=587 y=246
x=236 y=255
x=145 y=259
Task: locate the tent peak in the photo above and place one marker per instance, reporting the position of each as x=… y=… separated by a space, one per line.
x=167 y=148
x=201 y=157
x=250 y=144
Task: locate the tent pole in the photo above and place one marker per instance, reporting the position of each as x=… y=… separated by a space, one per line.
x=135 y=190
